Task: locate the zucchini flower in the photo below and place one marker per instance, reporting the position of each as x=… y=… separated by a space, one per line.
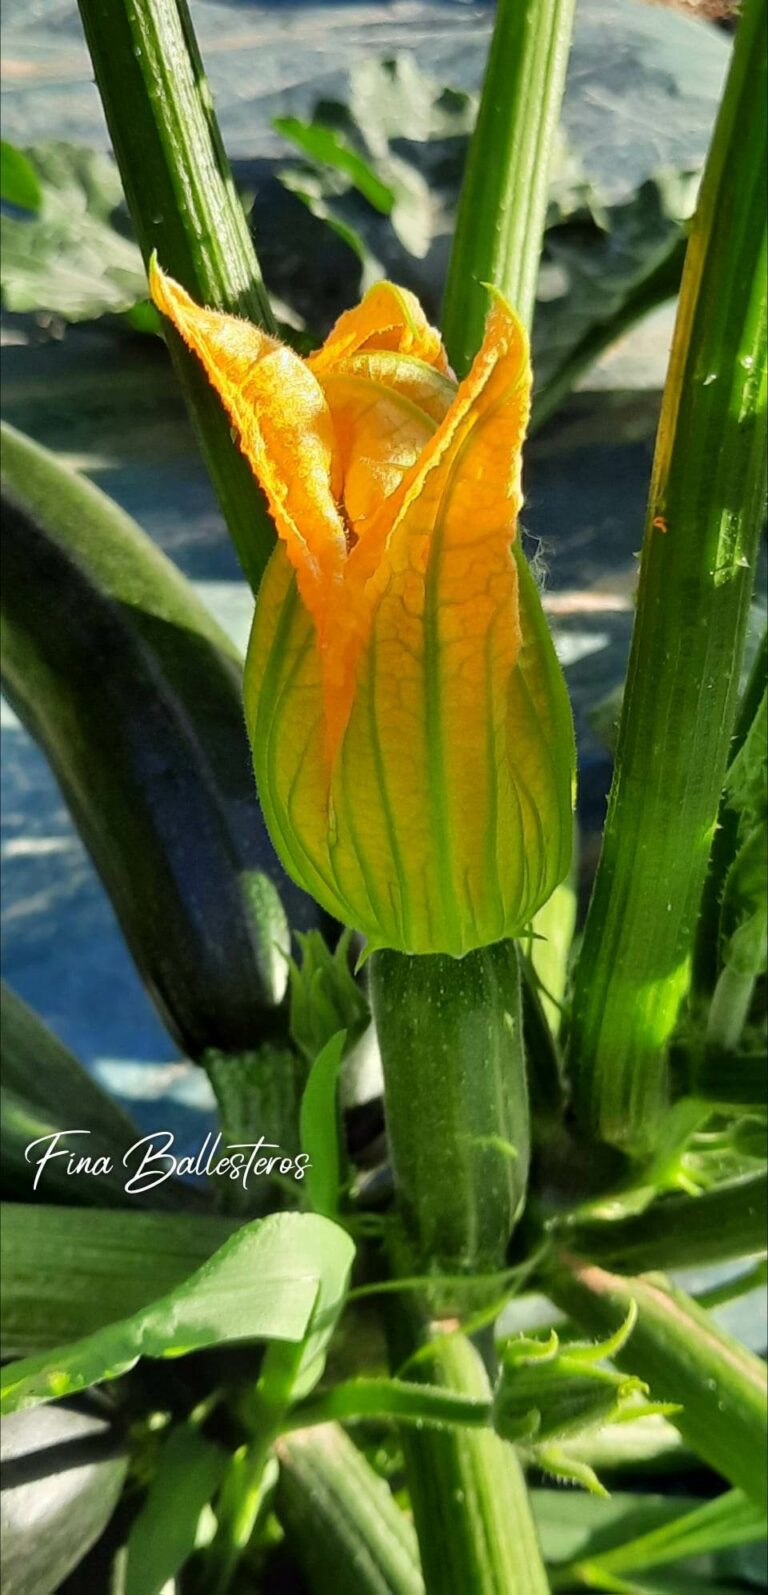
x=411 y=732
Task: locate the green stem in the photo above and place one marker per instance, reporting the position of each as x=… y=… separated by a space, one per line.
x=731 y=1079
x=685 y=1358
x=503 y=201
x=678 y=1231
x=403 y=1399
x=661 y=285
x=243 y=1497
x=704 y=519
x=729 y=1520
x=468 y=1494
x=450 y=1036
x=752 y=1279
x=731 y=1002
x=725 y=844
x=341 y=1520
x=183 y=203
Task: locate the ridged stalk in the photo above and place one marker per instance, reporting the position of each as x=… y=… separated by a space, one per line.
x=725 y=845
x=183 y=203
x=341 y=1520
x=728 y=1221
x=503 y=201
x=469 y=1497
x=675 y=1345
x=450 y=1036
x=704 y=517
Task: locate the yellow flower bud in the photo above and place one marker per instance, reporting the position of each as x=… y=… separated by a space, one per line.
x=411 y=732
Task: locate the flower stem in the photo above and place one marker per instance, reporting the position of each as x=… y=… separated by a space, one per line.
x=704 y=519
x=503 y=202
x=450 y=1035
x=183 y=204
x=342 y=1521
x=675 y=1345
x=731 y=1002
x=468 y=1494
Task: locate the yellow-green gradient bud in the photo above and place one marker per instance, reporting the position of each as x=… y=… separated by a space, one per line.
x=411 y=732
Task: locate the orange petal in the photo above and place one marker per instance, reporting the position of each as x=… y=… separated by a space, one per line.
x=379 y=436
x=438 y=641
x=416 y=773
x=285 y=428
x=387 y=318
x=413 y=379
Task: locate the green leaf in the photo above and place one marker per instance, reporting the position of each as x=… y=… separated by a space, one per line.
x=70 y=259
x=319 y=1122
x=744 y=903
x=134 y=693
x=318 y=192
x=745 y=789
x=392 y=98
x=324 y=995
x=601 y=272
x=63 y=1472
x=743 y=926
x=321 y=1251
x=731 y=1519
x=582 y=1536
x=19 y=182
x=66 y=1272
x=744 y=909
x=678 y=1349
x=727 y=835
x=326 y=145
x=388 y=203
x=162 y=1537
x=265 y=1283
x=604 y=265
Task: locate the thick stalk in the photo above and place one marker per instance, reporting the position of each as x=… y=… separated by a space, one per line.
x=728 y=1221
x=731 y=1002
x=679 y=1350
x=503 y=201
x=183 y=203
x=468 y=1493
x=704 y=518
x=341 y=1519
x=450 y=1035
x=725 y=844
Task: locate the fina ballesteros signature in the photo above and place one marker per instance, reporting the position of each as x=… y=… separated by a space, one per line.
x=151 y=1160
